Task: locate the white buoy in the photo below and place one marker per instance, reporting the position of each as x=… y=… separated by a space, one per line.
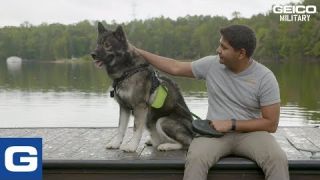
x=14 y=63
x=14 y=60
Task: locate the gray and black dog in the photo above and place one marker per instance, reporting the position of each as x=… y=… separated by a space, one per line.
x=134 y=84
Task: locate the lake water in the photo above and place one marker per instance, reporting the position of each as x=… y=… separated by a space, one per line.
x=76 y=95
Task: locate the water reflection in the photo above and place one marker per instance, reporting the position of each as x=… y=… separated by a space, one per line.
x=75 y=95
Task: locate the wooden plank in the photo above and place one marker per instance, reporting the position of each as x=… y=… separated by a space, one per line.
x=89 y=143
x=49 y=136
x=85 y=144
x=70 y=145
x=298 y=138
x=313 y=135
x=292 y=152
x=14 y=132
x=94 y=145
x=58 y=145
x=100 y=140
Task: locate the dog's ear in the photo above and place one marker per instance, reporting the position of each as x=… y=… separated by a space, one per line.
x=101 y=28
x=119 y=34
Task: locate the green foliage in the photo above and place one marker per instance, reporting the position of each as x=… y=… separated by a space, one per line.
x=187 y=37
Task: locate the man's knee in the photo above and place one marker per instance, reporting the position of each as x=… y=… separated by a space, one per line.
x=198 y=159
x=206 y=151
x=278 y=156
x=202 y=157
x=268 y=152
x=276 y=166
x=273 y=162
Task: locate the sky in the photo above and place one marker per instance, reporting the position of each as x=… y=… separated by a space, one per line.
x=16 y=12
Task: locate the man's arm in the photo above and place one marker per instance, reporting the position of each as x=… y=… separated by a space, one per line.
x=268 y=122
x=168 y=65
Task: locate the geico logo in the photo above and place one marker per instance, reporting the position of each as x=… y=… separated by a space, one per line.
x=298 y=9
x=26 y=163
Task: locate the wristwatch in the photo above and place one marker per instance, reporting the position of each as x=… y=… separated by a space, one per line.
x=233 y=127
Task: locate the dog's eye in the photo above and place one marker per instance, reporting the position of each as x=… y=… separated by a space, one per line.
x=107 y=44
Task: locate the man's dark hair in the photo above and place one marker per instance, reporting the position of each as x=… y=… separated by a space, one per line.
x=240 y=36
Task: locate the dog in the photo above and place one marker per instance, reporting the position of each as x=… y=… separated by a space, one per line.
x=134 y=84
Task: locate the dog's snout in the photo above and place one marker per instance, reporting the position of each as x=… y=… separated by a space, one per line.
x=93 y=55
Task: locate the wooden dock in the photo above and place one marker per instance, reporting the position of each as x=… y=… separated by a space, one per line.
x=79 y=153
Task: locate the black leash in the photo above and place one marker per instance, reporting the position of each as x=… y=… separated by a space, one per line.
x=188 y=111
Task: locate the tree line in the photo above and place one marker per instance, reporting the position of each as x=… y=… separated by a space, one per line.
x=188 y=37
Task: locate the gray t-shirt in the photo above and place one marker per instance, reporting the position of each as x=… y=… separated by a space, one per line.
x=238 y=96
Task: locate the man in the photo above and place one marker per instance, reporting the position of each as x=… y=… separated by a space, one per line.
x=244 y=103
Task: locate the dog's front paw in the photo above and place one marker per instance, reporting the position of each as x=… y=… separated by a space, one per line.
x=148 y=142
x=113 y=144
x=130 y=147
x=169 y=146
